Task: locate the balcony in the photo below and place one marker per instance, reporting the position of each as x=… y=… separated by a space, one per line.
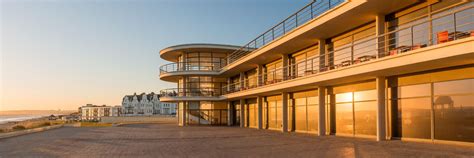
x=307 y=13
x=190 y=94
x=169 y=72
x=439 y=31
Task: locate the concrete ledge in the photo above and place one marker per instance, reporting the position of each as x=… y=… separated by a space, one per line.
x=139 y=119
x=28 y=131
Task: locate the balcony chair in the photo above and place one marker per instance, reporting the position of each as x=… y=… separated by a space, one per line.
x=442 y=36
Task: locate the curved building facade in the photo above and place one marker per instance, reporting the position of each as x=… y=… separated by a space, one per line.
x=195 y=70
x=378 y=69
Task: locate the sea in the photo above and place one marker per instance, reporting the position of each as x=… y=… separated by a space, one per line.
x=13 y=118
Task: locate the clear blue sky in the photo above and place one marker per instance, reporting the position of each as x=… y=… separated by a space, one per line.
x=60 y=54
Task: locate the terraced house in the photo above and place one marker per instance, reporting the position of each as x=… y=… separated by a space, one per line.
x=380 y=69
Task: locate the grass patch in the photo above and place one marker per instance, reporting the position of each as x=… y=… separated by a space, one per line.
x=95 y=124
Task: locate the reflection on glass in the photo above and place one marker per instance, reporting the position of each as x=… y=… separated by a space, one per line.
x=272 y=122
x=414 y=118
x=344 y=122
x=313 y=115
x=454 y=110
x=365 y=118
x=252 y=115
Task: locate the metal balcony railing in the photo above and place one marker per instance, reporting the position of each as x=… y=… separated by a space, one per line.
x=191 y=92
x=190 y=66
x=307 y=13
x=444 y=28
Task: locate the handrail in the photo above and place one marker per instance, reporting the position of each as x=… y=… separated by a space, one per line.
x=401 y=40
x=190 y=66
x=191 y=92
x=305 y=14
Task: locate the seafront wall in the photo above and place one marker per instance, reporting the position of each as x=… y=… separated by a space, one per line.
x=28 y=131
x=140 y=119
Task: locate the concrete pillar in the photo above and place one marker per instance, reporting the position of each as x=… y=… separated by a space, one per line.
x=284 y=96
x=322 y=54
x=230 y=114
x=380 y=30
x=285 y=72
x=242 y=110
x=229 y=82
x=322 y=111
x=242 y=80
x=183 y=117
x=260 y=75
x=381 y=107
x=260 y=112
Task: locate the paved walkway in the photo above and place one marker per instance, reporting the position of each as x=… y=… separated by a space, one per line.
x=169 y=140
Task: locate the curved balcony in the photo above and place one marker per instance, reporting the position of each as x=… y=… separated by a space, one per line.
x=191 y=94
x=170 y=72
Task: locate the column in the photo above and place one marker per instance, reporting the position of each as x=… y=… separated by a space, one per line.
x=229 y=81
x=322 y=54
x=284 y=96
x=322 y=111
x=242 y=80
x=381 y=118
x=284 y=60
x=183 y=117
x=230 y=114
x=380 y=30
x=260 y=75
x=242 y=109
x=260 y=112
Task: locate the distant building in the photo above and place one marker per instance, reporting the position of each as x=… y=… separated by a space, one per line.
x=95 y=112
x=146 y=105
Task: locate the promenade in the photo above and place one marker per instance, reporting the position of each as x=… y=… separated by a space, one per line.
x=169 y=140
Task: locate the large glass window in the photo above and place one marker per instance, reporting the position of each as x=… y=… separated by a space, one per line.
x=306 y=111
x=305 y=62
x=274 y=72
x=414 y=111
x=204 y=61
x=252 y=112
x=344 y=115
x=365 y=112
x=453 y=104
x=274 y=112
x=356 y=109
x=203 y=86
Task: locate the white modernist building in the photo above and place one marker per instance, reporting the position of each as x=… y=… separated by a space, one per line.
x=95 y=112
x=145 y=105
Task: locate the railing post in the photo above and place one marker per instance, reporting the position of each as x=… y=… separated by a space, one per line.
x=412 y=39
x=380 y=37
x=296 y=19
x=454 y=20
x=273 y=34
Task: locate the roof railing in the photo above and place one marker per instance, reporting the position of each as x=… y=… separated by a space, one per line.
x=307 y=13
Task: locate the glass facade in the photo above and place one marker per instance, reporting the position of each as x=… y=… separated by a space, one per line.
x=355 y=109
x=436 y=105
x=206 y=61
x=203 y=113
x=201 y=86
x=273 y=111
x=252 y=111
x=306 y=111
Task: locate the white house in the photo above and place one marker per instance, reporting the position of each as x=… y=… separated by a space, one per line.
x=145 y=105
x=95 y=112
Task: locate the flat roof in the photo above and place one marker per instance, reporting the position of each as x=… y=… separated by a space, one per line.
x=172 y=53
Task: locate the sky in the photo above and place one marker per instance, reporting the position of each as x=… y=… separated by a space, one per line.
x=62 y=54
